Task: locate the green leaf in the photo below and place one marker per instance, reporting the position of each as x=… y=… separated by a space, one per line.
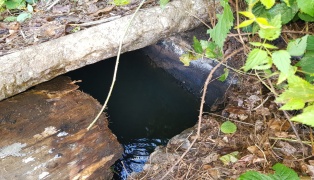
x=298 y=89
x=255 y=58
x=266 y=45
x=306 y=6
x=307 y=62
x=23 y=16
x=306 y=117
x=229 y=158
x=272 y=33
x=31 y=1
x=253 y=175
x=281 y=172
x=287 y=13
x=228 y=127
x=222 y=28
x=187 y=58
x=287 y=2
x=10 y=19
x=297 y=47
x=293 y=104
x=14 y=4
x=197 y=46
x=224 y=76
x=268 y=3
x=163 y=3
x=121 y=2
x=247 y=14
x=244 y=24
x=306 y=17
x=282 y=60
x=30 y=8
x=283 y=76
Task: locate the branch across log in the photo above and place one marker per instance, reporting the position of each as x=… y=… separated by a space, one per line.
x=33 y=65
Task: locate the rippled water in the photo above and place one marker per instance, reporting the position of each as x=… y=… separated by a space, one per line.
x=147 y=107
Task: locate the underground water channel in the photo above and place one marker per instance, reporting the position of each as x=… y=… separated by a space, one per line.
x=147 y=107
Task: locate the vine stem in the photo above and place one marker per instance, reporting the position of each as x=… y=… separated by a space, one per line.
x=116 y=66
x=209 y=77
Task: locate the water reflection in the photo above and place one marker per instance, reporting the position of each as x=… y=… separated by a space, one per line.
x=135 y=155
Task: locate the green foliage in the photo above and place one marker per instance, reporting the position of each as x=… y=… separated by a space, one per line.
x=224 y=76
x=163 y=3
x=281 y=172
x=120 y=2
x=197 y=45
x=306 y=6
x=229 y=158
x=222 y=28
x=228 y=127
x=299 y=93
x=15 y=4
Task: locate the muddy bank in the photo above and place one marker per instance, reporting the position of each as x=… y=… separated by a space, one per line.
x=44 y=135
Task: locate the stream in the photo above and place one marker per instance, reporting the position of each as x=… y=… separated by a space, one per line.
x=147 y=106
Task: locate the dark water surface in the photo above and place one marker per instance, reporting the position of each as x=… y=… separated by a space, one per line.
x=147 y=106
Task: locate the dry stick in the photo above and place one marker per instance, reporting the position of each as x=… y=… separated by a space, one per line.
x=210 y=75
x=116 y=67
x=238 y=29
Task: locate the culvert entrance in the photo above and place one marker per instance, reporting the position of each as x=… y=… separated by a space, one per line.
x=148 y=106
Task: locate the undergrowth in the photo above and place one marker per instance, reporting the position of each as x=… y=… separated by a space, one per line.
x=287 y=71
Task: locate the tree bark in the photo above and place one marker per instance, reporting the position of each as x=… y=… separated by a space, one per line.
x=43 y=135
x=33 y=65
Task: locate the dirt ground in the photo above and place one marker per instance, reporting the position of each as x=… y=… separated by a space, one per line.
x=264 y=136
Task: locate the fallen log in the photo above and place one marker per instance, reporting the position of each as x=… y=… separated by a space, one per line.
x=33 y=65
x=43 y=135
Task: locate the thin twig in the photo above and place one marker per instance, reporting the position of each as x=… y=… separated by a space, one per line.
x=295 y=131
x=54 y=3
x=116 y=66
x=209 y=77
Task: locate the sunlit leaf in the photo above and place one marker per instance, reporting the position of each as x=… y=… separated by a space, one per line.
x=247 y=14
x=297 y=47
x=266 y=65
x=222 y=28
x=306 y=117
x=244 y=24
x=272 y=33
x=298 y=89
x=263 y=23
x=293 y=104
x=282 y=60
x=228 y=127
x=187 y=58
x=287 y=2
x=284 y=76
x=306 y=6
x=121 y=2
x=287 y=13
x=255 y=58
x=268 y=3
x=229 y=158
